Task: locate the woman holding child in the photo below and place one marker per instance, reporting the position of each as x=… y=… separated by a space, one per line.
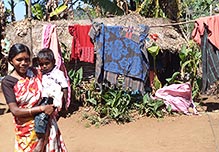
x=22 y=89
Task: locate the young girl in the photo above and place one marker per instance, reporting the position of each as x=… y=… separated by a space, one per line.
x=22 y=89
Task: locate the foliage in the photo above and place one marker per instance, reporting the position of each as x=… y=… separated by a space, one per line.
x=112 y=102
x=190 y=57
x=65 y=53
x=154 y=50
x=76 y=77
x=150 y=8
x=116 y=104
x=37 y=11
x=194 y=9
x=103 y=5
x=93 y=96
x=150 y=107
x=58 y=10
x=177 y=10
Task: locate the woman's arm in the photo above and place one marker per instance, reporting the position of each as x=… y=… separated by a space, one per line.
x=27 y=112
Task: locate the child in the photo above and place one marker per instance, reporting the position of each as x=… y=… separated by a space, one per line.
x=55 y=87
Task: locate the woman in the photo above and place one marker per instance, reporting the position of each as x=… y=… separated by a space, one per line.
x=22 y=90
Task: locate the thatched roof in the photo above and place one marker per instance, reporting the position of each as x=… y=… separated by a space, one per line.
x=169 y=38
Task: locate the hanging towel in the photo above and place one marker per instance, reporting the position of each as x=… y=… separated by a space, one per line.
x=213 y=29
x=178 y=96
x=50 y=40
x=82 y=46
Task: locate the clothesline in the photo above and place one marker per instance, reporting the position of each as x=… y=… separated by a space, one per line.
x=172 y=24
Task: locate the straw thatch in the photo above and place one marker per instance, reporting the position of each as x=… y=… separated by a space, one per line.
x=30 y=33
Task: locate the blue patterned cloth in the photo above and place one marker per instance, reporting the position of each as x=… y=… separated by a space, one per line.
x=120 y=54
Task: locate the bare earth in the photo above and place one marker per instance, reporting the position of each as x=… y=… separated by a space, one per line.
x=199 y=133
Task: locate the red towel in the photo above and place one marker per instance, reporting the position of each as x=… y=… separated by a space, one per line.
x=82 y=46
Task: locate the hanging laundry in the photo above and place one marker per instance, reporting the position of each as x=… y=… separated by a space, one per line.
x=210 y=61
x=212 y=23
x=50 y=40
x=119 y=54
x=205 y=33
x=82 y=46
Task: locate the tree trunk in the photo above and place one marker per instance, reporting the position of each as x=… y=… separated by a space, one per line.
x=12 y=5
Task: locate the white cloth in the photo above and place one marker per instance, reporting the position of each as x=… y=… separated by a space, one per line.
x=52 y=83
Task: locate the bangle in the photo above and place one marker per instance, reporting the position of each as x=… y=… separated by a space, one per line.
x=30 y=112
x=41 y=109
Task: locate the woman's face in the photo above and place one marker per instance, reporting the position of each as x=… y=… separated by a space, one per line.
x=21 y=62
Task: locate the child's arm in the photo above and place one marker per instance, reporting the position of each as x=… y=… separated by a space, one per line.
x=65 y=97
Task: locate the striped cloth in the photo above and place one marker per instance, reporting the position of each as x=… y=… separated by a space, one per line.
x=210 y=61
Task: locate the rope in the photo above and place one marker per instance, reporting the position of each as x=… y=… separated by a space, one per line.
x=172 y=24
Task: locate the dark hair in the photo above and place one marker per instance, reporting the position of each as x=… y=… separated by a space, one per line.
x=46 y=53
x=16 y=49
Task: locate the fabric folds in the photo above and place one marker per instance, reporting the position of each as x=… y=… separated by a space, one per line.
x=82 y=46
x=212 y=23
x=120 y=55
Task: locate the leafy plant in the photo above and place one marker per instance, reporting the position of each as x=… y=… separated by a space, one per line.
x=190 y=58
x=150 y=107
x=150 y=8
x=90 y=98
x=58 y=10
x=154 y=50
x=105 y=6
x=116 y=104
x=37 y=11
x=190 y=61
x=76 y=77
x=174 y=78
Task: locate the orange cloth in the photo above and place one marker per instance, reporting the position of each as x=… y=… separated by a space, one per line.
x=212 y=23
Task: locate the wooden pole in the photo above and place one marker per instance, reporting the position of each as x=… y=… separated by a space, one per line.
x=30 y=18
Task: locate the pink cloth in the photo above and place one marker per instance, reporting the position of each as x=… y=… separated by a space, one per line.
x=178 y=96
x=50 y=40
x=212 y=22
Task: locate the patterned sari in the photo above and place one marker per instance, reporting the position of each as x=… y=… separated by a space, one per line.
x=28 y=94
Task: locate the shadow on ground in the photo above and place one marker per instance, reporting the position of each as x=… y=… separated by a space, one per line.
x=74 y=106
x=210 y=106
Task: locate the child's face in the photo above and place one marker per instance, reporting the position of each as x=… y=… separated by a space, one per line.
x=46 y=65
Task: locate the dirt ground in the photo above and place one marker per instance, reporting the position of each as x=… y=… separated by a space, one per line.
x=197 y=133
